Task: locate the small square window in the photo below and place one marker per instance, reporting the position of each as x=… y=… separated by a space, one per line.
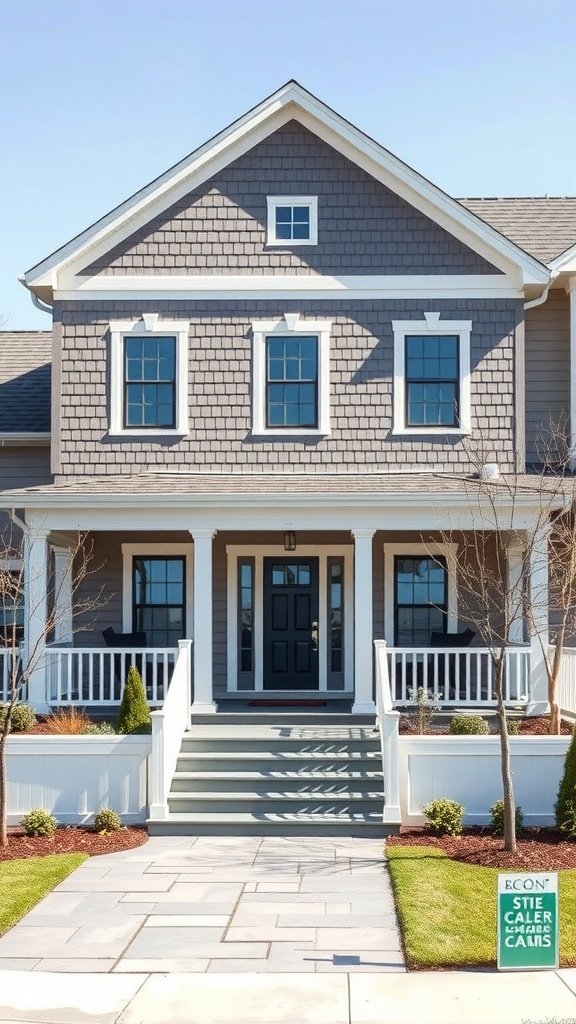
x=292 y=220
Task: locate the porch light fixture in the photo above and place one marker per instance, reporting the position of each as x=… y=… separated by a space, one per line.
x=289 y=540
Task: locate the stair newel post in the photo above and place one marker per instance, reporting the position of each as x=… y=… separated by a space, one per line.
x=157 y=778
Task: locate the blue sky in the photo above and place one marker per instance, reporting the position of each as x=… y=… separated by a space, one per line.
x=100 y=96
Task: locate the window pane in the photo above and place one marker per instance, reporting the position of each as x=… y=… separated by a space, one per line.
x=159 y=605
x=283 y=214
x=148 y=361
x=420 y=589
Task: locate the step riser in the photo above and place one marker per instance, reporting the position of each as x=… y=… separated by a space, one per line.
x=327 y=829
x=343 y=805
x=280 y=719
x=306 y=787
x=275 y=745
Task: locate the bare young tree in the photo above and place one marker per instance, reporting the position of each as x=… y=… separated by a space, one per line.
x=18 y=666
x=513 y=513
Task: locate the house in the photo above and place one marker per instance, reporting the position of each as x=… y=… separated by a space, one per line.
x=267 y=367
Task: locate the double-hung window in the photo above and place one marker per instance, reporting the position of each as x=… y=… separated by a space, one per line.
x=291 y=387
x=292 y=220
x=149 y=377
x=432 y=376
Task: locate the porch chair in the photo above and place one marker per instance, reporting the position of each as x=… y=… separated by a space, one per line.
x=114 y=639
x=447 y=662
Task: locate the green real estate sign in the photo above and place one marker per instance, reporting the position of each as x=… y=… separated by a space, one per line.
x=528 y=921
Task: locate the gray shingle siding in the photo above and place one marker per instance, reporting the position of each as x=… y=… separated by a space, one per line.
x=220 y=227
x=220 y=390
x=547 y=369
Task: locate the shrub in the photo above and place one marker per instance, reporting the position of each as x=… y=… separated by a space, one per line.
x=565 y=806
x=497 y=816
x=107 y=820
x=67 y=722
x=513 y=726
x=99 y=729
x=39 y=822
x=425 y=708
x=134 y=714
x=23 y=717
x=468 y=725
x=444 y=817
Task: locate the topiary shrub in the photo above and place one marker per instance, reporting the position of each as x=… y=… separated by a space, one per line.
x=134 y=714
x=497 y=816
x=444 y=817
x=23 y=717
x=565 y=806
x=468 y=725
x=513 y=726
x=39 y=822
x=99 y=729
x=107 y=820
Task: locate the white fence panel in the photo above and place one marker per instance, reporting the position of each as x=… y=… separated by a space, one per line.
x=74 y=776
x=567 y=680
x=467 y=769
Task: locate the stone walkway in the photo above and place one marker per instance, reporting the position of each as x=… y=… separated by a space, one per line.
x=212 y=904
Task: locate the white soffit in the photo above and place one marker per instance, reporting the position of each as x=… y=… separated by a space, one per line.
x=289 y=102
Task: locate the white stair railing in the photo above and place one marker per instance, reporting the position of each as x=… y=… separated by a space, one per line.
x=457 y=676
x=168 y=727
x=566 y=686
x=96 y=675
x=389 y=725
x=8 y=659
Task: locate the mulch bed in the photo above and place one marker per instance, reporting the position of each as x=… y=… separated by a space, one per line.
x=538 y=726
x=75 y=839
x=538 y=849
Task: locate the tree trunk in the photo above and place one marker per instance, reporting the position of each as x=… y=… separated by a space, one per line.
x=3 y=792
x=507 y=787
x=553 y=674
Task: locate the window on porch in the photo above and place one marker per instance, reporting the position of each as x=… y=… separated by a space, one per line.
x=159 y=599
x=420 y=600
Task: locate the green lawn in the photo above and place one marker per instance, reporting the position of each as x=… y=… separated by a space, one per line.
x=24 y=882
x=447 y=910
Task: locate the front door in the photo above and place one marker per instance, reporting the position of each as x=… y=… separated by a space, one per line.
x=290 y=623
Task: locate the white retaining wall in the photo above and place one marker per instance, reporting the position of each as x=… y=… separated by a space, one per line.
x=467 y=769
x=74 y=776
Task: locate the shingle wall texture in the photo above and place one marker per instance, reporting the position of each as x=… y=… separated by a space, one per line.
x=219 y=389
x=220 y=227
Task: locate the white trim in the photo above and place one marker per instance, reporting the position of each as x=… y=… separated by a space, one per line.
x=25 y=437
x=259 y=552
x=273 y=202
x=148 y=326
x=158 y=287
x=571 y=289
x=129 y=551
x=289 y=102
x=290 y=324
x=431 y=325
x=449 y=551
x=565 y=262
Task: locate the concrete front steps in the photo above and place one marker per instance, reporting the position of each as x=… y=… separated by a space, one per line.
x=277 y=774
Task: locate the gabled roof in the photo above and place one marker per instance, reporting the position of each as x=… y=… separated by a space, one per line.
x=541 y=225
x=291 y=101
x=25 y=358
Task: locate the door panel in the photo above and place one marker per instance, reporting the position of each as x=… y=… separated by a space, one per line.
x=291 y=624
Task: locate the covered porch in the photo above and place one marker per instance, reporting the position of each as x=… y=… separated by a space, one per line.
x=269 y=606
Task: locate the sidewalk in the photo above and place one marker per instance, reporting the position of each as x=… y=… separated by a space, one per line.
x=441 y=998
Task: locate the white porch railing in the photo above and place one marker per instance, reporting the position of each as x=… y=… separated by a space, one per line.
x=168 y=726
x=566 y=686
x=96 y=675
x=389 y=726
x=8 y=657
x=455 y=676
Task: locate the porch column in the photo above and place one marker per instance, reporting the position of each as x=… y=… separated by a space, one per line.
x=571 y=289
x=35 y=611
x=63 y=623
x=538 y=596
x=363 y=647
x=515 y=562
x=203 y=675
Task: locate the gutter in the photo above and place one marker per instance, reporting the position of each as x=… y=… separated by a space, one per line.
x=24 y=438
x=44 y=307
x=544 y=295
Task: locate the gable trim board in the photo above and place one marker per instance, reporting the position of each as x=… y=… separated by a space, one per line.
x=156 y=287
x=291 y=102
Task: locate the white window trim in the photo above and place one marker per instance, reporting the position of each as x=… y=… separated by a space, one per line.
x=129 y=552
x=290 y=324
x=273 y=202
x=431 y=325
x=148 y=326
x=234 y=552
x=391 y=551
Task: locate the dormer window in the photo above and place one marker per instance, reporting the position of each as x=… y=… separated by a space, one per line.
x=292 y=220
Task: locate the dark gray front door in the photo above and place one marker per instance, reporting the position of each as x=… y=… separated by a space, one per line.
x=290 y=623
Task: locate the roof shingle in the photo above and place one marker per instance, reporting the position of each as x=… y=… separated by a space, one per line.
x=25 y=373
x=542 y=226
